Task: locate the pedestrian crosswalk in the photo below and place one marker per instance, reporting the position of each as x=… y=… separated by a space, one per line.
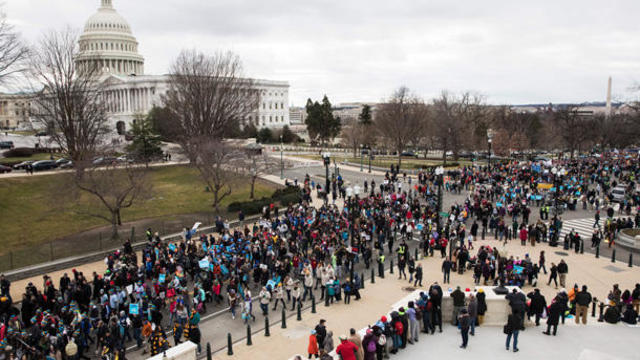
x=584 y=227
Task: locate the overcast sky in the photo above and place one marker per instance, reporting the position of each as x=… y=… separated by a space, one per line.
x=361 y=50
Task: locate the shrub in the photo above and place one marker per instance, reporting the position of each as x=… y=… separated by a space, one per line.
x=20 y=152
x=284 y=196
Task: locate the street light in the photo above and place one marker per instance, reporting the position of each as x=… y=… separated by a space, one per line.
x=439 y=171
x=281 y=159
x=489 y=141
x=327 y=161
x=361 y=155
x=370 y=156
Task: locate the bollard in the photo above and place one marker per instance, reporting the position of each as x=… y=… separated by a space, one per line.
x=598 y=251
x=630 y=260
x=326 y=297
x=391 y=268
x=593 y=308
x=373 y=276
x=601 y=318
x=229 y=345
x=208 y=351
x=415 y=256
x=266 y=326
x=362 y=279
x=613 y=256
x=313 y=304
x=582 y=247
x=249 y=342
x=284 y=320
x=484 y=230
x=299 y=318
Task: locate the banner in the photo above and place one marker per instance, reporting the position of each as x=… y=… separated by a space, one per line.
x=161 y=278
x=133 y=309
x=203 y=264
x=545 y=186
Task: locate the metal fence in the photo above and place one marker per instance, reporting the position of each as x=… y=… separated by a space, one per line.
x=95 y=241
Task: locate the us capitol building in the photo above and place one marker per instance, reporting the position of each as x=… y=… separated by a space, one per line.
x=107 y=40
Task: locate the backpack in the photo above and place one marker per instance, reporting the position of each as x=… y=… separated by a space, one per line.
x=382 y=340
x=371 y=346
x=399 y=328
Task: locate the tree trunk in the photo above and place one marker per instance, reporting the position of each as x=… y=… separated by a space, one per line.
x=253 y=183
x=119 y=217
x=399 y=159
x=114 y=226
x=444 y=156
x=215 y=199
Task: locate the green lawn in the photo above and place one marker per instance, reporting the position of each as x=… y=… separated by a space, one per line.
x=31 y=213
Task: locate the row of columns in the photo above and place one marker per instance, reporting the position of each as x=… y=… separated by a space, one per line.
x=123 y=66
x=129 y=100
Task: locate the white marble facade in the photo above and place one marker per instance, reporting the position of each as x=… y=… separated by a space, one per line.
x=108 y=41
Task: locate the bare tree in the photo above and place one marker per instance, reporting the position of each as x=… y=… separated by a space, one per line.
x=208 y=98
x=401 y=120
x=13 y=52
x=255 y=165
x=216 y=162
x=71 y=104
x=113 y=186
x=573 y=127
x=355 y=135
x=459 y=122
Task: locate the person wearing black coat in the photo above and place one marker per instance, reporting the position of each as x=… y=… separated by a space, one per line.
x=482 y=305
x=512 y=329
x=537 y=306
x=518 y=303
x=553 y=317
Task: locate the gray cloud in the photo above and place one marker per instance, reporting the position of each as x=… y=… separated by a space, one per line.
x=359 y=50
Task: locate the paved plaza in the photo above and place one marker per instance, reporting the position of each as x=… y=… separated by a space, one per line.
x=378 y=299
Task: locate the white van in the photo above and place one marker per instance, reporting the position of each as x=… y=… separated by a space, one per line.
x=618 y=194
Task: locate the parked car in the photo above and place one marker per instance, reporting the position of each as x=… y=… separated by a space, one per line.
x=466 y=155
x=6 y=145
x=44 y=165
x=408 y=154
x=618 y=194
x=125 y=159
x=62 y=161
x=104 y=160
x=22 y=165
x=42 y=133
x=4 y=169
x=67 y=165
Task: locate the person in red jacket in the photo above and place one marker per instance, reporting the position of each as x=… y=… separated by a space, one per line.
x=347 y=350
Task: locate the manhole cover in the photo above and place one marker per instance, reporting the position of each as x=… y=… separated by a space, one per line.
x=409 y=289
x=613 y=268
x=562 y=253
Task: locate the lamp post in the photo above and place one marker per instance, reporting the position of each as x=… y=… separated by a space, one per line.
x=439 y=171
x=489 y=141
x=281 y=159
x=327 y=161
x=370 y=158
x=361 y=156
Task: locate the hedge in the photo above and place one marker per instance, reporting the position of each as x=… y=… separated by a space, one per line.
x=284 y=196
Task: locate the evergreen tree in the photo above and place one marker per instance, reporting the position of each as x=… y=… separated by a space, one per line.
x=321 y=124
x=146 y=143
x=365 y=116
x=264 y=136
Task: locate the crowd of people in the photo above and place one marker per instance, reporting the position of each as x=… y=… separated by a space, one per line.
x=299 y=249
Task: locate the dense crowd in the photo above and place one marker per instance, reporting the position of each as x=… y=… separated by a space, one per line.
x=294 y=250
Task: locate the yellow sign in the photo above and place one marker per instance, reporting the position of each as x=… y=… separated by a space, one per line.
x=545 y=186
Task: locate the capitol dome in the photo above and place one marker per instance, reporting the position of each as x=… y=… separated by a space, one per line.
x=107 y=42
